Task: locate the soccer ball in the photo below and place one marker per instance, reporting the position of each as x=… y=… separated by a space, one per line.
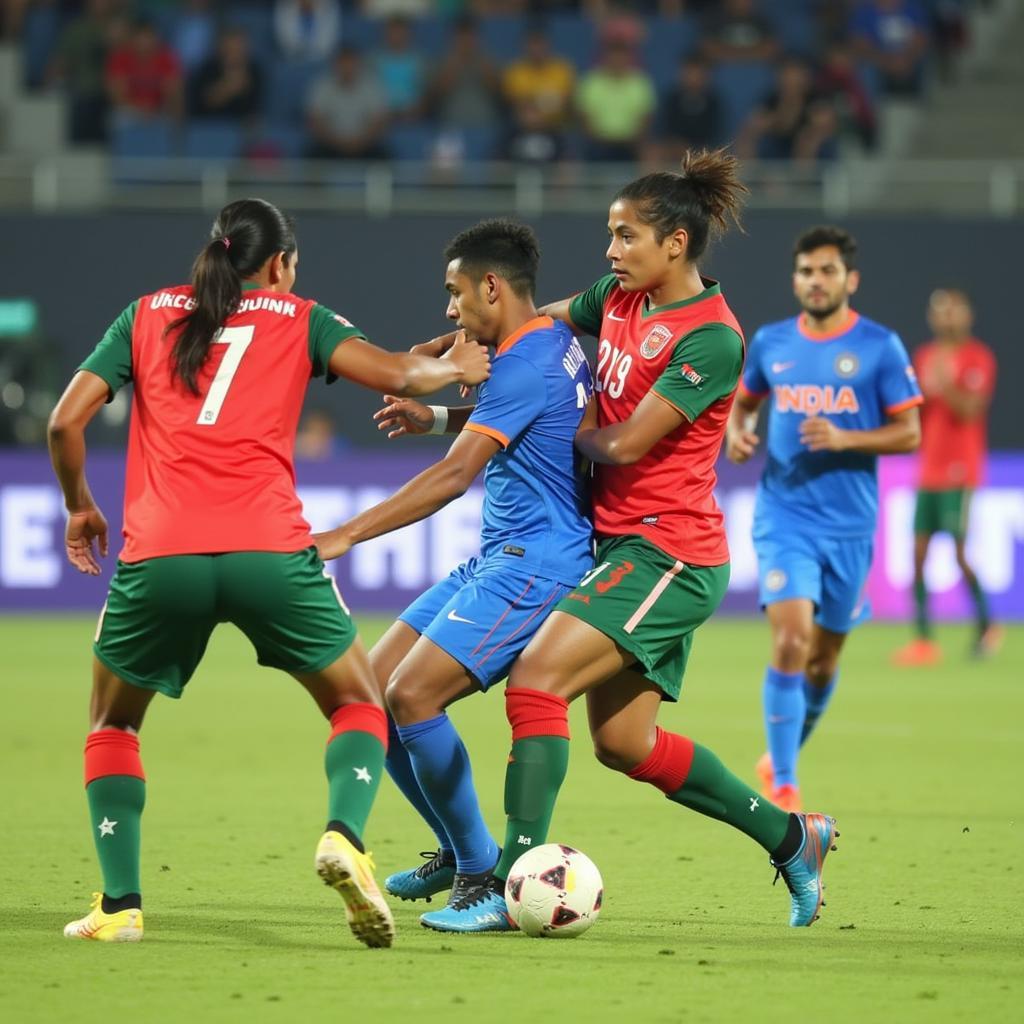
x=554 y=892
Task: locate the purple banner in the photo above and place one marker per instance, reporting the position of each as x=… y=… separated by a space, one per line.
x=385 y=574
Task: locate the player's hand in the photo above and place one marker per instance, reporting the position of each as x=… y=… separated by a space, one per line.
x=821 y=435
x=332 y=543
x=401 y=416
x=740 y=444
x=471 y=358
x=82 y=529
x=435 y=347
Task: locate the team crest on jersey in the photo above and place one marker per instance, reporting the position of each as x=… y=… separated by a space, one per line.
x=341 y=320
x=692 y=375
x=657 y=338
x=847 y=365
x=774 y=580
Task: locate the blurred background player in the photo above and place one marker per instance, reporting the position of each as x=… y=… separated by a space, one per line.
x=214 y=533
x=841 y=391
x=957 y=373
x=462 y=635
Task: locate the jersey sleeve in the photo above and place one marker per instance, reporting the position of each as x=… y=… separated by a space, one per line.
x=327 y=330
x=979 y=378
x=516 y=394
x=754 y=382
x=897 y=381
x=111 y=359
x=587 y=309
x=704 y=367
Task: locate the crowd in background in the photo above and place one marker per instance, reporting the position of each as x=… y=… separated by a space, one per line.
x=451 y=80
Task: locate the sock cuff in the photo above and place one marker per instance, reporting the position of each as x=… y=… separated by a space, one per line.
x=668 y=764
x=535 y=713
x=112 y=752
x=783 y=680
x=360 y=718
x=418 y=729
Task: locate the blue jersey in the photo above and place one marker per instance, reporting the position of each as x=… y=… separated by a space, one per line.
x=536 y=507
x=856 y=377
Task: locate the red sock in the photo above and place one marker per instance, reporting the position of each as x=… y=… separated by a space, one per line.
x=112 y=752
x=668 y=763
x=360 y=718
x=535 y=713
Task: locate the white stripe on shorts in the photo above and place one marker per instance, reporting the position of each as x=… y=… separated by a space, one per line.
x=648 y=602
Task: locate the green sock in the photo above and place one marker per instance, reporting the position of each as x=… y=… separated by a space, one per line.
x=981 y=613
x=354 y=763
x=115 y=806
x=921 y=623
x=712 y=789
x=536 y=769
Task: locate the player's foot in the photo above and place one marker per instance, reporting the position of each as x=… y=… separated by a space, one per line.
x=473 y=906
x=350 y=873
x=766 y=773
x=787 y=798
x=123 y=926
x=918 y=652
x=436 y=875
x=802 y=872
x=988 y=643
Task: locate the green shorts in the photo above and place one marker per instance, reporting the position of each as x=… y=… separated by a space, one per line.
x=942 y=512
x=648 y=602
x=160 y=613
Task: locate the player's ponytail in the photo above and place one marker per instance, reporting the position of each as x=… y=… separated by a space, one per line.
x=244 y=236
x=702 y=197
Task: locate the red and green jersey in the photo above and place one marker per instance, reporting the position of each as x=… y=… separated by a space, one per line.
x=689 y=354
x=213 y=472
x=953 y=449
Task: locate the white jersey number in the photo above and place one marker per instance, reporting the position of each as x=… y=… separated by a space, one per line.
x=612 y=369
x=237 y=339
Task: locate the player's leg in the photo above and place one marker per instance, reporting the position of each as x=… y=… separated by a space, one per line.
x=922 y=650
x=988 y=636
x=821 y=676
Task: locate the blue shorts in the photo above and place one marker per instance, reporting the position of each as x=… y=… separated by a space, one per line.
x=830 y=571
x=483 y=615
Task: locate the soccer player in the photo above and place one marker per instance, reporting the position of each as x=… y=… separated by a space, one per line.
x=214 y=533
x=461 y=636
x=669 y=358
x=841 y=392
x=957 y=374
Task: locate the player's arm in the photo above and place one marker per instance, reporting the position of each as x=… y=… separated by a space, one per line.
x=741 y=438
x=401 y=416
x=621 y=444
x=83 y=398
x=966 y=403
x=900 y=435
x=419 y=498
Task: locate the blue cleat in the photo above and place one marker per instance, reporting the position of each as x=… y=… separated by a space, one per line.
x=802 y=872
x=473 y=906
x=436 y=875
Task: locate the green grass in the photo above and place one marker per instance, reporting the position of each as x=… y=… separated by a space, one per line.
x=922 y=770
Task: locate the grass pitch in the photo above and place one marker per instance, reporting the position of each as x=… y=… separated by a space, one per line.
x=923 y=771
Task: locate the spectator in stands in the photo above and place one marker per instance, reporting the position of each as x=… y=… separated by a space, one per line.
x=736 y=32
x=464 y=94
x=228 y=84
x=401 y=70
x=193 y=34
x=531 y=138
x=144 y=76
x=540 y=84
x=840 y=80
x=616 y=101
x=795 y=122
x=690 y=113
x=893 y=35
x=398 y=8
x=347 y=111
x=80 y=66
x=307 y=30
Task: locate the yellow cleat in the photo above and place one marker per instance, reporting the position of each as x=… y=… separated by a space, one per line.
x=124 y=926
x=350 y=872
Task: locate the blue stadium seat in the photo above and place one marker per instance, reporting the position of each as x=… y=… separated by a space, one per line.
x=284 y=141
x=741 y=87
x=575 y=38
x=135 y=137
x=39 y=35
x=795 y=24
x=410 y=141
x=668 y=40
x=222 y=140
x=258 y=23
x=287 y=87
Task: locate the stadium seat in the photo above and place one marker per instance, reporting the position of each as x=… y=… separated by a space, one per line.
x=222 y=140
x=667 y=41
x=741 y=87
x=39 y=35
x=410 y=141
x=135 y=137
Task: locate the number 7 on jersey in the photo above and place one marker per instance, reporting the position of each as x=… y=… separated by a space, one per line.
x=237 y=339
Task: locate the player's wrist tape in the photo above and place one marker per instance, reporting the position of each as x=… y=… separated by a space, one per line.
x=440 y=419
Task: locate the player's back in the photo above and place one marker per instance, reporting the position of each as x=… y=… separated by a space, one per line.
x=535 y=512
x=212 y=471
x=856 y=377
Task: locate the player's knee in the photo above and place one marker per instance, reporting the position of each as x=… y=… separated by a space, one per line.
x=536 y=672
x=790 y=647
x=820 y=670
x=612 y=755
x=405 y=700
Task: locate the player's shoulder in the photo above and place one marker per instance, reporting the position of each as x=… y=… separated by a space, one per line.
x=866 y=330
x=777 y=330
x=539 y=341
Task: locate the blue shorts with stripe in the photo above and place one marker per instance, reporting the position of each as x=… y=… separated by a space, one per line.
x=483 y=614
x=829 y=571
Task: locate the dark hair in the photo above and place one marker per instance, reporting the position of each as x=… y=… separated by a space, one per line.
x=702 y=197
x=505 y=247
x=828 y=234
x=244 y=236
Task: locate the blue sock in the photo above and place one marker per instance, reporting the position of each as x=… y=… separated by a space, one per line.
x=442 y=769
x=400 y=769
x=816 y=698
x=783 y=720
